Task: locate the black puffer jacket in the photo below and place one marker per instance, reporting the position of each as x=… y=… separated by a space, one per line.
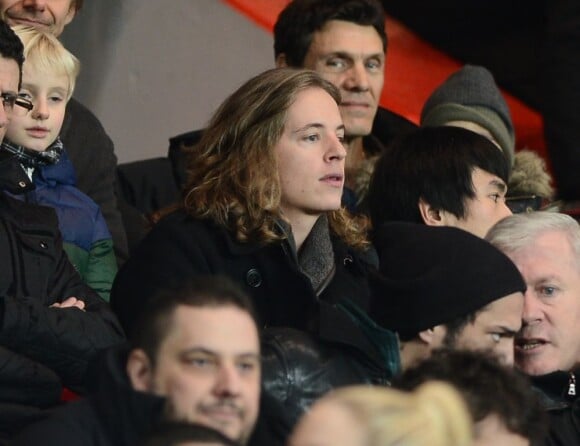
x=42 y=349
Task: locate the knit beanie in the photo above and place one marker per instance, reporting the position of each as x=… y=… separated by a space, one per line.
x=471 y=94
x=433 y=275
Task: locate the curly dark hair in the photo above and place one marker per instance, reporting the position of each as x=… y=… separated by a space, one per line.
x=488 y=388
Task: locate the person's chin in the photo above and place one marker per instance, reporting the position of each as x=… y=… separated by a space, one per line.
x=358 y=127
x=535 y=367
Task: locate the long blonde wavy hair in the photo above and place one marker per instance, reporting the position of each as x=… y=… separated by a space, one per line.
x=232 y=172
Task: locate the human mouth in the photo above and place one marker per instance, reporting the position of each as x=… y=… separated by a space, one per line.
x=333 y=179
x=37 y=132
x=26 y=21
x=355 y=104
x=529 y=345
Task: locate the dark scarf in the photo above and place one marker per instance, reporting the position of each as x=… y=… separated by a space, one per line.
x=316 y=256
x=31 y=158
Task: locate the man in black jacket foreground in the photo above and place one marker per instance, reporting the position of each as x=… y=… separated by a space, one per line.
x=545 y=247
x=51 y=323
x=195 y=357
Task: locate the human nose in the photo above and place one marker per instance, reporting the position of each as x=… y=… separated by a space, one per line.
x=336 y=149
x=532 y=308
x=37 y=5
x=40 y=110
x=505 y=210
x=357 y=78
x=227 y=381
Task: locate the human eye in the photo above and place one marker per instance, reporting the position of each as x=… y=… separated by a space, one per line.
x=496 y=197
x=547 y=290
x=55 y=98
x=25 y=95
x=374 y=64
x=311 y=137
x=336 y=63
x=247 y=366
x=200 y=362
x=8 y=99
x=496 y=337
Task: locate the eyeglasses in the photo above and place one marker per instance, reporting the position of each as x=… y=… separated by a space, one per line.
x=10 y=100
x=525 y=203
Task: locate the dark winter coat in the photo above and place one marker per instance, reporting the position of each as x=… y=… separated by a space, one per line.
x=86 y=237
x=115 y=415
x=42 y=349
x=181 y=246
x=560 y=397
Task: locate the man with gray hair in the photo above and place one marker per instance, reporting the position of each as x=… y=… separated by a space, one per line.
x=546 y=249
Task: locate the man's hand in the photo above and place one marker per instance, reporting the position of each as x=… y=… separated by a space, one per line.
x=70 y=302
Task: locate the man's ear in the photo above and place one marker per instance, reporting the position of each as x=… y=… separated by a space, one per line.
x=281 y=61
x=427 y=336
x=430 y=215
x=433 y=336
x=72 y=11
x=140 y=370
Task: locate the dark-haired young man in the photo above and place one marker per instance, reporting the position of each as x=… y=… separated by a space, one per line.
x=504 y=408
x=444 y=287
x=194 y=357
x=89 y=147
x=441 y=176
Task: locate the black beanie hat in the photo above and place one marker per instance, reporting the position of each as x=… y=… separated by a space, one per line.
x=471 y=94
x=433 y=275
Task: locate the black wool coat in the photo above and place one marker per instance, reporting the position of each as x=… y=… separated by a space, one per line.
x=180 y=247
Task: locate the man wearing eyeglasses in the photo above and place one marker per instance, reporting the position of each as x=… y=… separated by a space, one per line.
x=51 y=323
x=11 y=60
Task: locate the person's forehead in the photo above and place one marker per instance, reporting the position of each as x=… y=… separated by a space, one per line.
x=342 y=36
x=547 y=249
x=48 y=77
x=482 y=178
x=9 y=75
x=226 y=329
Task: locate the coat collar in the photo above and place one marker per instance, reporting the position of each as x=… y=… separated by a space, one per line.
x=13 y=177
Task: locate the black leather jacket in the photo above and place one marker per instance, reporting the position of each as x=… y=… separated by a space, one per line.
x=299 y=367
